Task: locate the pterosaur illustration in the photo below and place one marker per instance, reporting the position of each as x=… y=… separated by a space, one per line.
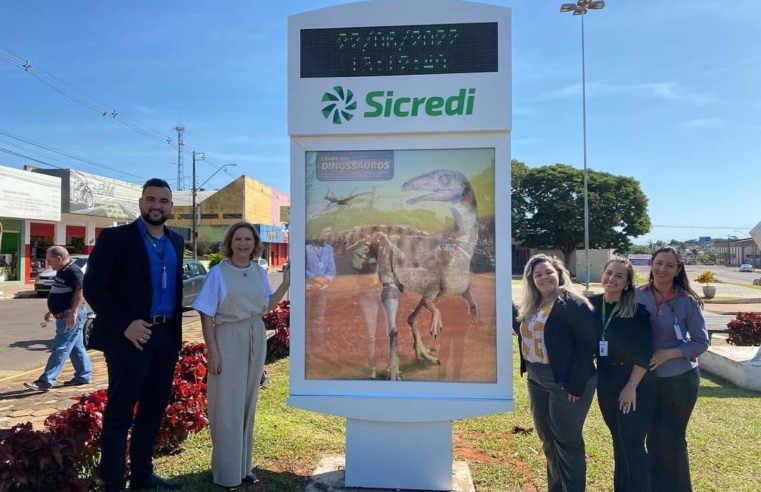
x=334 y=200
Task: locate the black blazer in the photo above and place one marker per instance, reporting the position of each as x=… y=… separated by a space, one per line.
x=118 y=286
x=571 y=342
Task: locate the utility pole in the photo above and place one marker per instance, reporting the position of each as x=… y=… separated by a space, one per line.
x=194 y=224
x=180 y=144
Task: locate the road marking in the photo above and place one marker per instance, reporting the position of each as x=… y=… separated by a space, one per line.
x=8 y=375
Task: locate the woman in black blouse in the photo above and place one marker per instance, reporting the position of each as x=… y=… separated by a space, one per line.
x=625 y=388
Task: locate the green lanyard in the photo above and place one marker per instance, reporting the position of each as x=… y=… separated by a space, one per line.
x=161 y=254
x=606 y=320
x=670 y=303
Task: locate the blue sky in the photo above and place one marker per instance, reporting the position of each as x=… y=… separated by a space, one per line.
x=672 y=95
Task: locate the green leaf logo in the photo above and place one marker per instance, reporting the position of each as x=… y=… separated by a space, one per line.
x=340 y=104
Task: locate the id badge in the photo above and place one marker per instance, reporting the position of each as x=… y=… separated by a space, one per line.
x=678 y=331
x=320 y=264
x=603 y=348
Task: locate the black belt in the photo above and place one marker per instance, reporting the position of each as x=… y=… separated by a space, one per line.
x=609 y=362
x=159 y=319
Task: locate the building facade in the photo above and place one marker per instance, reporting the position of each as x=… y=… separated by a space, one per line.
x=40 y=208
x=242 y=199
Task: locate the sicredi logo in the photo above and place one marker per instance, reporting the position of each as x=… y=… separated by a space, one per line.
x=341 y=105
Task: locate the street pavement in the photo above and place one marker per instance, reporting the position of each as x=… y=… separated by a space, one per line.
x=19 y=405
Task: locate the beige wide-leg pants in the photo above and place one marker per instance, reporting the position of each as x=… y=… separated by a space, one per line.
x=232 y=398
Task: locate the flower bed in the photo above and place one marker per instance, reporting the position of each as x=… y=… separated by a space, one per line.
x=745 y=330
x=63 y=457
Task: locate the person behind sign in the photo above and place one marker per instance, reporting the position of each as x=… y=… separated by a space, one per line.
x=231 y=303
x=134 y=285
x=680 y=335
x=557 y=348
x=66 y=306
x=320 y=271
x=625 y=388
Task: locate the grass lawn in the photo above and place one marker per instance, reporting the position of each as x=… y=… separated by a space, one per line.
x=724 y=438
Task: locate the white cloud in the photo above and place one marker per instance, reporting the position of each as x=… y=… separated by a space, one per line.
x=705 y=123
x=672 y=91
x=143 y=109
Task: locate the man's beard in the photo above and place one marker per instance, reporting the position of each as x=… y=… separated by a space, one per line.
x=146 y=216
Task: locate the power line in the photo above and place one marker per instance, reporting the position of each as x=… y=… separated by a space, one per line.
x=30 y=158
x=66 y=154
x=82 y=99
x=95 y=105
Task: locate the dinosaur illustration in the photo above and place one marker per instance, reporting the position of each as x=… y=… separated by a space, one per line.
x=431 y=265
x=333 y=199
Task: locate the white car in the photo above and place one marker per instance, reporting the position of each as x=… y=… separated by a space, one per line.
x=45 y=279
x=263 y=263
x=746 y=267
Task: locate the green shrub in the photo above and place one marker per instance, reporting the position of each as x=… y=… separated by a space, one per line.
x=215 y=258
x=707 y=277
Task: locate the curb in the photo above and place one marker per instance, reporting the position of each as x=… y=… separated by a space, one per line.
x=737 y=300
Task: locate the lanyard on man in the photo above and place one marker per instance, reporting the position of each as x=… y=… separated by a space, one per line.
x=162 y=257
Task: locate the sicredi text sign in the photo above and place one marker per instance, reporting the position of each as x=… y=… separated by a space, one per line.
x=444 y=69
x=399 y=120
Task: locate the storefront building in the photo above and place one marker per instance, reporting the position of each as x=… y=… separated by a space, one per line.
x=241 y=199
x=89 y=204
x=29 y=204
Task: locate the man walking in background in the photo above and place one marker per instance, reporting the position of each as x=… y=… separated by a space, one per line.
x=66 y=306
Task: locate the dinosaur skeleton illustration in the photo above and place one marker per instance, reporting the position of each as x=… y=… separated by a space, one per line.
x=432 y=265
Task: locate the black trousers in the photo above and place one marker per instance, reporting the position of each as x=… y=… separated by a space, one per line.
x=142 y=377
x=632 y=467
x=559 y=425
x=667 y=442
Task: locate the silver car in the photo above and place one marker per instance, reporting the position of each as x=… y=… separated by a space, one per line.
x=45 y=279
x=746 y=267
x=193 y=278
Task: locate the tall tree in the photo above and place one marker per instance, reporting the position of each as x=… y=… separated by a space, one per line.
x=548 y=208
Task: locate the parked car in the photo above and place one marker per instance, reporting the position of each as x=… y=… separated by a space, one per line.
x=45 y=279
x=746 y=267
x=193 y=278
x=263 y=263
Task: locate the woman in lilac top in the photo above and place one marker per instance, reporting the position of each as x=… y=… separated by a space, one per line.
x=679 y=337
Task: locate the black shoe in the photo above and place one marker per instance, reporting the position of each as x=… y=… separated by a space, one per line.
x=154 y=482
x=38 y=385
x=75 y=382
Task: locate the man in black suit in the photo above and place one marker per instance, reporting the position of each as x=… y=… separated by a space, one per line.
x=134 y=285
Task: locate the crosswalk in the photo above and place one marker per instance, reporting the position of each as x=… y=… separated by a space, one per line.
x=718 y=322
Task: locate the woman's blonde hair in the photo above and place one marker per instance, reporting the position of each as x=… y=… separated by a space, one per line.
x=532 y=298
x=226 y=248
x=628 y=301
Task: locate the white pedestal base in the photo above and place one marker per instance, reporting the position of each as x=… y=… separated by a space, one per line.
x=399 y=455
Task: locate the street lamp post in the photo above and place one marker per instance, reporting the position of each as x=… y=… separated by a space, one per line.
x=194 y=206
x=580 y=8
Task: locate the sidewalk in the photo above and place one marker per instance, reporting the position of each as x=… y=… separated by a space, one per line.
x=15 y=290
x=20 y=405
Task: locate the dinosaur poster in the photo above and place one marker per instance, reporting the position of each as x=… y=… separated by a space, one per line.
x=400 y=266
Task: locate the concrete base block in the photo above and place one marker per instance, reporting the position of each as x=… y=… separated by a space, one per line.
x=734 y=364
x=329 y=476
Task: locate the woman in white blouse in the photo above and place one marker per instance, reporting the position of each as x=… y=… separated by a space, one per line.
x=231 y=303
